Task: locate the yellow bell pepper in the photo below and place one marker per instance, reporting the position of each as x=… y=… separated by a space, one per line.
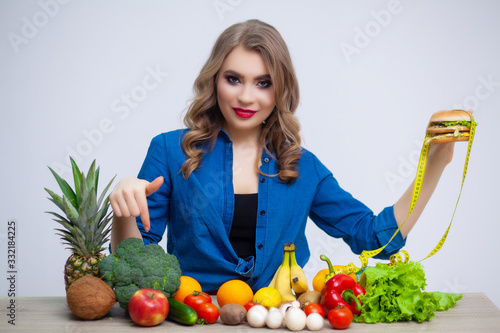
x=321 y=277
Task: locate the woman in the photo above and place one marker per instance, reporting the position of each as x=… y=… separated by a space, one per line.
x=236 y=185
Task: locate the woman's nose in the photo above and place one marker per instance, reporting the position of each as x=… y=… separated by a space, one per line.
x=246 y=95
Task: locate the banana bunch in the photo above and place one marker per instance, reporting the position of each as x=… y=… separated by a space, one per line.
x=289 y=276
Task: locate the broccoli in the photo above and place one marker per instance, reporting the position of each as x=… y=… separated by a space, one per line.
x=135 y=266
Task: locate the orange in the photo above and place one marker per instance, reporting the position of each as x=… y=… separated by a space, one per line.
x=187 y=287
x=319 y=279
x=234 y=292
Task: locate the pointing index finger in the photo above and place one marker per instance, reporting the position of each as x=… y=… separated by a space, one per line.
x=143 y=208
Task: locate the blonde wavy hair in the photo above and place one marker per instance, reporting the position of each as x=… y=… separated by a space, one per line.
x=280 y=132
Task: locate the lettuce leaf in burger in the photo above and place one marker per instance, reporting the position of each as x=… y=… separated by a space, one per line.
x=449 y=126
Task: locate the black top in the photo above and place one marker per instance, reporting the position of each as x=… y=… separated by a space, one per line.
x=242 y=235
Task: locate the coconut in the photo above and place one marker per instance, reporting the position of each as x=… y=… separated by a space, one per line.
x=90 y=298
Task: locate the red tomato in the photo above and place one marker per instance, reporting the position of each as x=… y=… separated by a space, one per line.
x=208 y=312
x=249 y=305
x=340 y=318
x=314 y=308
x=196 y=299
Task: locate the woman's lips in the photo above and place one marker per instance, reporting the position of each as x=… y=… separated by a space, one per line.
x=244 y=113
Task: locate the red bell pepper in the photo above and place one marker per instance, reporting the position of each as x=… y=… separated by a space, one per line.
x=341 y=291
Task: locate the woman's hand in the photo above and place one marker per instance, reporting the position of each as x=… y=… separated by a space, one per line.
x=129 y=198
x=441 y=153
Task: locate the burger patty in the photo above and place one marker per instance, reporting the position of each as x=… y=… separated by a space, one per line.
x=438 y=128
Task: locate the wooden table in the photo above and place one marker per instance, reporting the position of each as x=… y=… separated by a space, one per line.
x=474 y=313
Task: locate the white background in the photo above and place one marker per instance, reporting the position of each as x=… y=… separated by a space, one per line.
x=67 y=68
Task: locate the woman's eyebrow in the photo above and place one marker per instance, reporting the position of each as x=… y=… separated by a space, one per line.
x=235 y=73
x=263 y=77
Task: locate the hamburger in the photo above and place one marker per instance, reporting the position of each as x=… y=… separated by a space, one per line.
x=449 y=126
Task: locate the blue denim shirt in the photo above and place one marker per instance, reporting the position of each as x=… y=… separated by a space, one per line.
x=197 y=213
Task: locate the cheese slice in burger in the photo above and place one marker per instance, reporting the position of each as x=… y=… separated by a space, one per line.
x=449 y=126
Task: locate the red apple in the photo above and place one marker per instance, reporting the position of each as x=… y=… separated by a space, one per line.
x=148 y=307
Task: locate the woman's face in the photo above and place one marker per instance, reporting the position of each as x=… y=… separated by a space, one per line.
x=244 y=91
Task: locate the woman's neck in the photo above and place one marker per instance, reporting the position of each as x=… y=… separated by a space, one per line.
x=249 y=138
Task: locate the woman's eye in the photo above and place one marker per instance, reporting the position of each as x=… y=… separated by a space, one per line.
x=232 y=79
x=264 y=84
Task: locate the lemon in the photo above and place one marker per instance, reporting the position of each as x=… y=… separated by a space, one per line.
x=268 y=297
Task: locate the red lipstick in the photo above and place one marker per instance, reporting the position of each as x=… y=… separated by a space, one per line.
x=244 y=113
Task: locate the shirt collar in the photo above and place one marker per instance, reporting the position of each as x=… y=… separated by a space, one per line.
x=223 y=133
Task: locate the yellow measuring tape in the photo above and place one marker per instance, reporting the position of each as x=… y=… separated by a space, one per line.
x=397 y=258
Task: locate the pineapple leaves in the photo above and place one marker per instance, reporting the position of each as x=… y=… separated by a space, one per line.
x=96 y=178
x=55 y=199
x=69 y=210
x=86 y=224
x=91 y=176
x=103 y=234
x=74 y=245
x=103 y=210
x=66 y=235
x=91 y=207
x=83 y=221
x=103 y=224
x=66 y=189
x=77 y=175
x=84 y=191
x=103 y=194
x=63 y=221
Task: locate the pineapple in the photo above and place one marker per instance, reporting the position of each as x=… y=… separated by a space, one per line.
x=86 y=225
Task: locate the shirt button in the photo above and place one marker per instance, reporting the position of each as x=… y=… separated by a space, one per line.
x=260 y=247
x=262 y=212
x=263 y=180
x=266 y=159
